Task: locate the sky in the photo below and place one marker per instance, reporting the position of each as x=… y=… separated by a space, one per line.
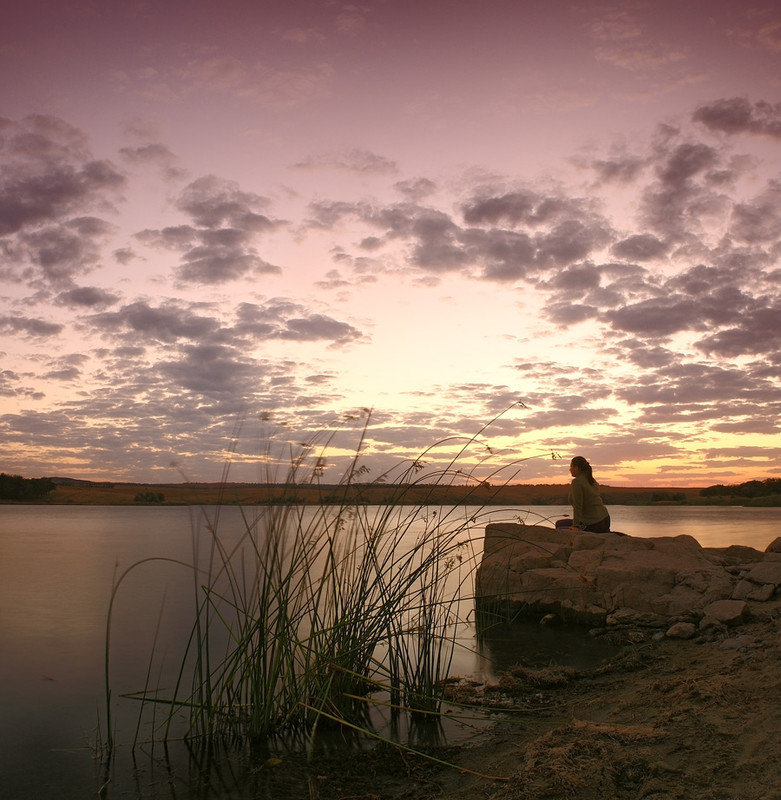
x=384 y=238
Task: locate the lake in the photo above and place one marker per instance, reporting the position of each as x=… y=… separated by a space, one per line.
x=57 y=567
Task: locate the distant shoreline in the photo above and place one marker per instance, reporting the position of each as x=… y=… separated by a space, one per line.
x=76 y=492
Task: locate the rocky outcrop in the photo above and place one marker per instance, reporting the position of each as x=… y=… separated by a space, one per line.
x=616 y=579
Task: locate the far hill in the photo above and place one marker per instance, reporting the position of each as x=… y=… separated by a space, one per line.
x=63 y=490
x=73 y=491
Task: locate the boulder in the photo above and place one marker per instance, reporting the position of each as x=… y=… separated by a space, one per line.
x=746 y=590
x=681 y=630
x=766 y=572
x=727 y=612
x=617 y=579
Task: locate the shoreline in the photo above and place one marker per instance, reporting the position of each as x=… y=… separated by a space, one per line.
x=694 y=719
x=184 y=494
x=664 y=719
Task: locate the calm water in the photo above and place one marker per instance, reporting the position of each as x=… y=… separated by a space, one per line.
x=57 y=566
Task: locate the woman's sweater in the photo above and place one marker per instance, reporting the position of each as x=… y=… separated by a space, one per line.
x=587 y=505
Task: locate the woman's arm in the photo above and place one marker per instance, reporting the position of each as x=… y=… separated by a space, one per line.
x=576 y=495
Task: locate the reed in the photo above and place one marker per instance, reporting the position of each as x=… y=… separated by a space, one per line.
x=310 y=612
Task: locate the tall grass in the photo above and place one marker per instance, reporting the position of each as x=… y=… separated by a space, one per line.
x=308 y=613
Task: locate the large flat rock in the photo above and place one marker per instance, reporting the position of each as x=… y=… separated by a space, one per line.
x=591 y=577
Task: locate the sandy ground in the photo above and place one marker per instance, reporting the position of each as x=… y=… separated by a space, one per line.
x=664 y=719
x=698 y=719
x=695 y=719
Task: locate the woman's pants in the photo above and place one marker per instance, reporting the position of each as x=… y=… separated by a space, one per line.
x=603 y=526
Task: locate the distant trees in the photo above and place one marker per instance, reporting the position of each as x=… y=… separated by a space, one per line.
x=668 y=497
x=149 y=497
x=748 y=489
x=15 y=487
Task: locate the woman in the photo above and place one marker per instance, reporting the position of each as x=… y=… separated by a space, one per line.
x=588 y=510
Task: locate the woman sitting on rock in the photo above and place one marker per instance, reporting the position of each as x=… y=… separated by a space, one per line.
x=588 y=510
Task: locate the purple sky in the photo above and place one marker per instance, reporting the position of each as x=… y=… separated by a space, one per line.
x=288 y=212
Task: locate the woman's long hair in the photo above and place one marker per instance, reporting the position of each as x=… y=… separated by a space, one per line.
x=585 y=468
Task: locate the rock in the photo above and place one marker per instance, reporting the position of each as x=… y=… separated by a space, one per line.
x=766 y=572
x=728 y=612
x=681 y=630
x=774 y=546
x=621 y=580
x=738 y=643
x=747 y=590
x=711 y=625
x=734 y=554
x=629 y=617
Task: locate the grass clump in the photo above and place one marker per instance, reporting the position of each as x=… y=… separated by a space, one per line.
x=309 y=612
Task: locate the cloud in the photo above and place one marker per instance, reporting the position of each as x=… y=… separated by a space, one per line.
x=758 y=221
x=640 y=247
x=8 y=382
x=49 y=188
x=355 y=160
x=213 y=202
x=539 y=233
x=157 y=155
x=646 y=357
x=173 y=237
x=505 y=255
x=302 y=35
x=570 y=240
x=211 y=369
x=176 y=322
x=284 y=319
x=761 y=424
x=416 y=189
x=318 y=326
x=66 y=250
x=215 y=263
x=29 y=326
x=758 y=333
x=273 y=85
x=639 y=56
x=620 y=169
x=515 y=208
x=219 y=246
x=67 y=368
x=679 y=290
x=168 y=322
x=658 y=318
x=710 y=389
x=435 y=241
x=49 y=172
x=88 y=297
x=770 y=34
x=352 y=18
x=686 y=194
x=738 y=115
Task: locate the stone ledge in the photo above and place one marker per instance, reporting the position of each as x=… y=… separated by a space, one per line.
x=620 y=579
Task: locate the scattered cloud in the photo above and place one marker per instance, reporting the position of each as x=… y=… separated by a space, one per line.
x=358 y=161
x=29 y=326
x=739 y=115
x=87 y=297
x=677 y=303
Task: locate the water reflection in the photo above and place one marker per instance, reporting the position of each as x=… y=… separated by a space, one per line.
x=504 y=644
x=287 y=767
x=56 y=568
